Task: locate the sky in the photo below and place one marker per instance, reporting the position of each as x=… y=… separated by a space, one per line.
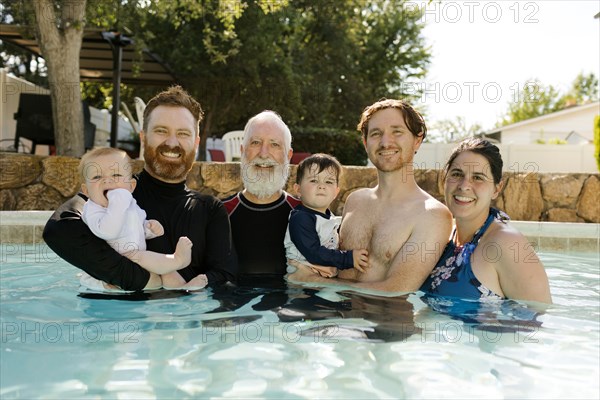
x=485 y=51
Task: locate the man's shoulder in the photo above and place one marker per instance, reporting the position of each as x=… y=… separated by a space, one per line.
x=208 y=200
x=231 y=202
x=359 y=195
x=435 y=210
x=291 y=200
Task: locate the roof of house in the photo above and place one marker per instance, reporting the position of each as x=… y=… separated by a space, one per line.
x=561 y=113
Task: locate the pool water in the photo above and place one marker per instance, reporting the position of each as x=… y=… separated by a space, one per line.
x=290 y=342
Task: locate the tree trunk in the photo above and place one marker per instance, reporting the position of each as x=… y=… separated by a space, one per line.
x=60 y=38
x=205 y=129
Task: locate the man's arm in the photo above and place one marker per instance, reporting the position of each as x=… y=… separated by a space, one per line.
x=69 y=237
x=220 y=256
x=413 y=262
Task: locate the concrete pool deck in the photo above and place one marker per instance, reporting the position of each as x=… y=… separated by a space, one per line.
x=26 y=227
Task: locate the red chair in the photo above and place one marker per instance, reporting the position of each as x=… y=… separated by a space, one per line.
x=216 y=155
x=297 y=157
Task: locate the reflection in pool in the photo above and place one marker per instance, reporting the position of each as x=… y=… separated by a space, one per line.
x=292 y=342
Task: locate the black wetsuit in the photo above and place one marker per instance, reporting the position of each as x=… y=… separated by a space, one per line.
x=258 y=232
x=181 y=211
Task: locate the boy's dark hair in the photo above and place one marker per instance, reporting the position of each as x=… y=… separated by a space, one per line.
x=323 y=161
x=413 y=119
x=175 y=96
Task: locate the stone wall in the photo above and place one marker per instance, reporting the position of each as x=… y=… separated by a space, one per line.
x=29 y=182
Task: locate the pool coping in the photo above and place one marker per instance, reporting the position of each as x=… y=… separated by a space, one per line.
x=26 y=227
x=17 y=218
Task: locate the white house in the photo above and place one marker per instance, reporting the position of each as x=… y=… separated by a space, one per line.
x=574 y=124
x=520 y=151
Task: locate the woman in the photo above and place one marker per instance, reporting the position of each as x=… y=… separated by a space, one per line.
x=485 y=258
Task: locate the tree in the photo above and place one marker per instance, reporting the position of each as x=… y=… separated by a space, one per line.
x=59 y=27
x=450 y=131
x=317 y=63
x=583 y=90
x=535 y=99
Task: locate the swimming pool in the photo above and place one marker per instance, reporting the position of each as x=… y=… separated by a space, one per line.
x=287 y=342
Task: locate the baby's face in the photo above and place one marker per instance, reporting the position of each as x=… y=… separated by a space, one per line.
x=104 y=173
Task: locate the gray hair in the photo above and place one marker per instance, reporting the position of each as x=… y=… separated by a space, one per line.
x=273 y=118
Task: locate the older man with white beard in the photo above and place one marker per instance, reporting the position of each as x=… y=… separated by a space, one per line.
x=259 y=213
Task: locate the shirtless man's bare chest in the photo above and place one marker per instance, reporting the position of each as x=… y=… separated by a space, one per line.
x=378 y=226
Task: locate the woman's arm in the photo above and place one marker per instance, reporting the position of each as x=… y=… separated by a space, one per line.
x=520 y=272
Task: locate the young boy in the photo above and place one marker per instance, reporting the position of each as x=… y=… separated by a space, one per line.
x=112 y=214
x=312 y=235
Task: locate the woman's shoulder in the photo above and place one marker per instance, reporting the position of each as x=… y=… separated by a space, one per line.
x=504 y=234
x=513 y=248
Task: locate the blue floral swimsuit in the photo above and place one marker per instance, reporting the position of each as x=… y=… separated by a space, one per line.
x=453 y=275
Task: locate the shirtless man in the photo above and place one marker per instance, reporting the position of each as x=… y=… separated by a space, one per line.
x=403 y=227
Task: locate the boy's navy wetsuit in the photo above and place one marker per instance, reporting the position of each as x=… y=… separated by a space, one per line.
x=312 y=237
x=258 y=231
x=181 y=211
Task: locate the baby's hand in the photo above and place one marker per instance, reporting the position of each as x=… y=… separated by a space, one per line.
x=361 y=259
x=155 y=227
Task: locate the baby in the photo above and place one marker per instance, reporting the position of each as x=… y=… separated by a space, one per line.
x=112 y=214
x=312 y=236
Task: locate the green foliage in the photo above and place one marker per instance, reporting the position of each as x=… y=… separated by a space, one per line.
x=551 y=141
x=345 y=145
x=17 y=60
x=583 y=90
x=536 y=99
x=597 y=140
x=315 y=62
x=450 y=131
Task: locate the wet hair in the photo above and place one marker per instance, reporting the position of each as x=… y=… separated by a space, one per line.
x=99 y=152
x=274 y=118
x=413 y=119
x=322 y=161
x=175 y=96
x=490 y=151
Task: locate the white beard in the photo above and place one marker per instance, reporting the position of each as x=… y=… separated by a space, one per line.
x=264 y=183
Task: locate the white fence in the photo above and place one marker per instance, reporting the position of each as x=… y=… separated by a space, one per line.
x=521 y=158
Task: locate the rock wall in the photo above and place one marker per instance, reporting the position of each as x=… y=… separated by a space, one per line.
x=29 y=182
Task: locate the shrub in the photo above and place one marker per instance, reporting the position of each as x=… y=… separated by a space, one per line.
x=597 y=140
x=345 y=145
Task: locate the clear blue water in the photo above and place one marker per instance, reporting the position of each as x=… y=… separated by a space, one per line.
x=294 y=342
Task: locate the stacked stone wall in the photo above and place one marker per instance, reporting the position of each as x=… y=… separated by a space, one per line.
x=29 y=182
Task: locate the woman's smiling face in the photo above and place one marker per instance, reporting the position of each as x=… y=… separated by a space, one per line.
x=469 y=186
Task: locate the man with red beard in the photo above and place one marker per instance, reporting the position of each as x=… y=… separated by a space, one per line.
x=259 y=214
x=170 y=136
x=404 y=229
